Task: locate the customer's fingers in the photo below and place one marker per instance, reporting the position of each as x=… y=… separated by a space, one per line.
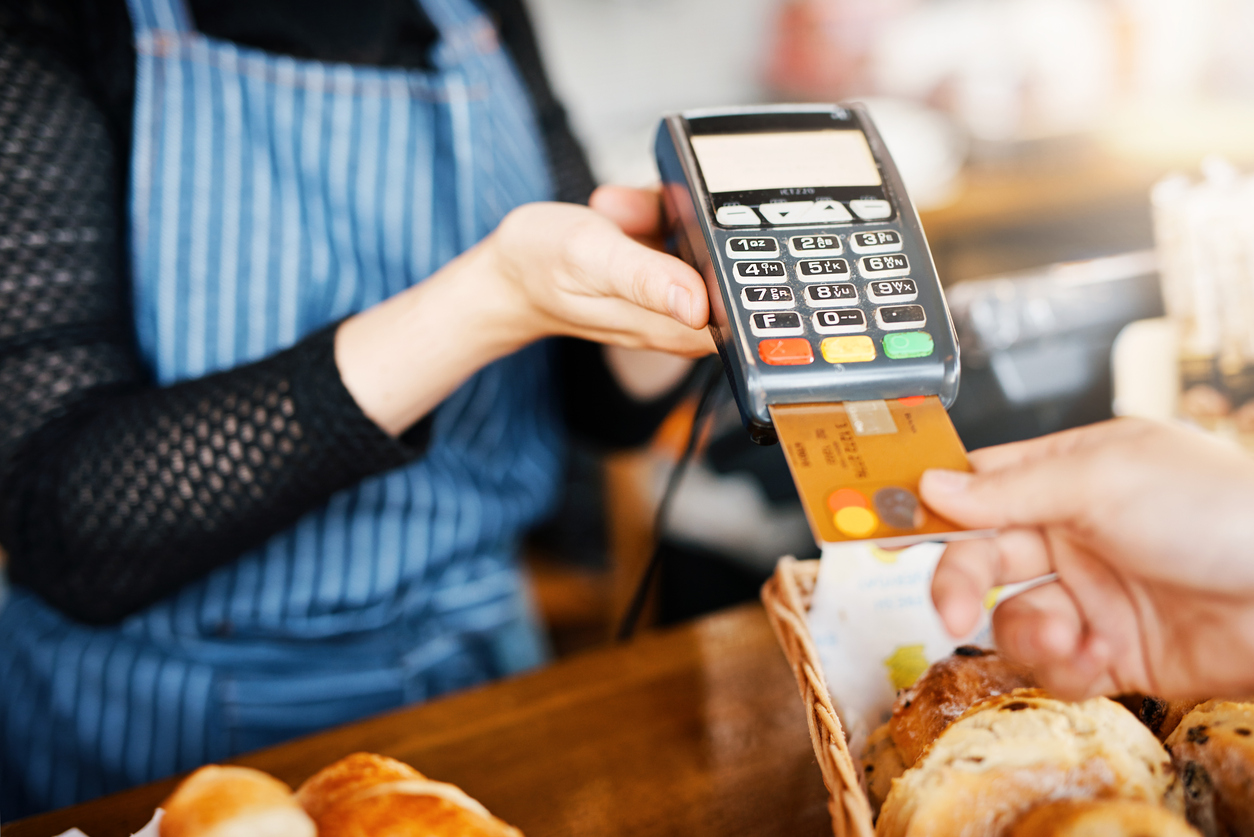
x=1034 y=493
x=1044 y=629
x=969 y=570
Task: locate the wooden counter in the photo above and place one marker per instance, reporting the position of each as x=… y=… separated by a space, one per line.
x=692 y=731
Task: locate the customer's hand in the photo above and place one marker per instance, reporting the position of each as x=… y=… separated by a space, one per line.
x=548 y=269
x=1150 y=528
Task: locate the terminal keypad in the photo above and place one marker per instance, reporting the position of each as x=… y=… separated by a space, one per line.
x=794 y=287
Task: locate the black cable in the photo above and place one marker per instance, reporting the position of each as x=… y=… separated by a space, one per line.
x=712 y=374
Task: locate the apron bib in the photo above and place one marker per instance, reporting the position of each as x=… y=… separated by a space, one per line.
x=272 y=196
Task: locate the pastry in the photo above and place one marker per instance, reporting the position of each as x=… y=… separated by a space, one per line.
x=1017 y=751
x=365 y=795
x=1161 y=716
x=1101 y=818
x=233 y=802
x=946 y=690
x=881 y=763
x=1213 y=749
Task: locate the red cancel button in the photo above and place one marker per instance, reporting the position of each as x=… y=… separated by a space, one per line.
x=786 y=351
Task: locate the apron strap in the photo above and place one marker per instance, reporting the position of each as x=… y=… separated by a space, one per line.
x=465 y=31
x=163 y=15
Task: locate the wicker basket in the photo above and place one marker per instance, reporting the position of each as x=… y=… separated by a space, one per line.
x=787 y=596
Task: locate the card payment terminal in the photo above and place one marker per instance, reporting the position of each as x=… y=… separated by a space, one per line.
x=821 y=285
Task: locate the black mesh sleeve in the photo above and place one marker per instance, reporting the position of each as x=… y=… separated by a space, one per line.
x=114 y=492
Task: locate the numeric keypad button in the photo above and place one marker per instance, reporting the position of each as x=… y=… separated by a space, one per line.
x=808 y=246
x=831 y=296
x=820 y=270
x=768 y=297
x=840 y=321
x=875 y=241
x=776 y=324
x=883 y=267
x=892 y=290
x=756 y=272
x=900 y=317
x=756 y=247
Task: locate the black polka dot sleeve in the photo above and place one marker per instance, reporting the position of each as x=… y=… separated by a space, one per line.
x=114 y=492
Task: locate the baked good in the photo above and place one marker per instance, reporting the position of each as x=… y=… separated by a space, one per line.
x=1213 y=749
x=1101 y=818
x=366 y=795
x=233 y=802
x=946 y=690
x=1014 y=752
x=881 y=763
x=1161 y=716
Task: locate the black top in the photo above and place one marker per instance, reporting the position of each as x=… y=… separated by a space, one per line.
x=115 y=492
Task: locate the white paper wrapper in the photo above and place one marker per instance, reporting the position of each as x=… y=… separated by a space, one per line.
x=152 y=829
x=875 y=628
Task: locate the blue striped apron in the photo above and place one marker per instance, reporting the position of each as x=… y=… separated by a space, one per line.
x=269 y=197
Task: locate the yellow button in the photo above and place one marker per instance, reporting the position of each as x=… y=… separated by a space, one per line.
x=854 y=349
x=855 y=522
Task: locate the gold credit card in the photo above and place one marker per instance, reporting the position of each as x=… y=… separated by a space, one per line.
x=857 y=466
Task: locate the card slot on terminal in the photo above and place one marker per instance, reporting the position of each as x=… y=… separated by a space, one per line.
x=857 y=466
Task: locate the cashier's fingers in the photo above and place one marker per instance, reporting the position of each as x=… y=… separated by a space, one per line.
x=638 y=212
x=969 y=570
x=1045 y=630
x=578 y=274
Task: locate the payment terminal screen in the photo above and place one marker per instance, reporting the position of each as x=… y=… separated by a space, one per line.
x=785 y=160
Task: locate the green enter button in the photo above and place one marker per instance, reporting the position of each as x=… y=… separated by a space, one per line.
x=908 y=344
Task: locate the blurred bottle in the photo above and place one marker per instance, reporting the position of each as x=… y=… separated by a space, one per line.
x=1204 y=232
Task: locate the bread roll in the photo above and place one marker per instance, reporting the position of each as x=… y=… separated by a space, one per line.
x=1161 y=716
x=233 y=802
x=1213 y=749
x=881 y=763
x=946 y=690
x=365 y=795
x=1104 y=818
x=1015 y=752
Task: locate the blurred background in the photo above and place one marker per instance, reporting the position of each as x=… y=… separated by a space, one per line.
x=1074 y=162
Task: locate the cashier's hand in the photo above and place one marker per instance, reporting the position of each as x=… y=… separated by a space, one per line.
x=599 y=273
x=1150 y=529
x=548 y=269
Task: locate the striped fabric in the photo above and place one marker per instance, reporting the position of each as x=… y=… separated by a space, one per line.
x=269 y=197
